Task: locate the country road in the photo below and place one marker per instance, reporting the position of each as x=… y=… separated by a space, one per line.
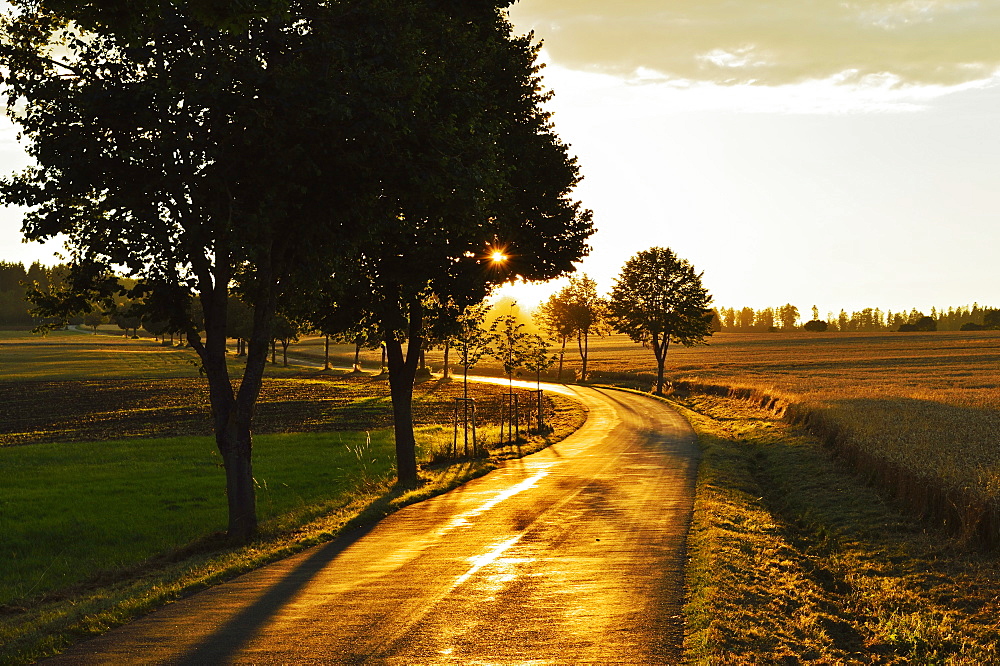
x=573 y=555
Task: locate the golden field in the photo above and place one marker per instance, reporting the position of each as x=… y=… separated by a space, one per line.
x=919 y=412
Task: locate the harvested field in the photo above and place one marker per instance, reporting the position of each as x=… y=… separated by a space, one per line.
x=794 y=560
x=90 y=410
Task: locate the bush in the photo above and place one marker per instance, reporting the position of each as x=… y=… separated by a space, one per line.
x=815 y=326
x=924 y=324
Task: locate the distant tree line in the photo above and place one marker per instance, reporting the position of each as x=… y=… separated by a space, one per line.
x=13 y=305
x=15 y=283
x=787 y=318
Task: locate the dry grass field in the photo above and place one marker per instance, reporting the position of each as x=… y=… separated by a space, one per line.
x=919 y=412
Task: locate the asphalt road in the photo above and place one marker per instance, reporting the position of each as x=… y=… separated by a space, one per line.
x=573 y=555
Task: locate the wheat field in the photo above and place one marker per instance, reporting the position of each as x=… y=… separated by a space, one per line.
x=917 y=412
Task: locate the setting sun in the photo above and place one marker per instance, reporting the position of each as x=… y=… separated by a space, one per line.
x=498 y=257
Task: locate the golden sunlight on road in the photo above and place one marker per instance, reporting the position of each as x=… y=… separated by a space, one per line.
x=572 y=555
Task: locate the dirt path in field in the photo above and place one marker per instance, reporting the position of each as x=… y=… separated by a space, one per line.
x=572 y=555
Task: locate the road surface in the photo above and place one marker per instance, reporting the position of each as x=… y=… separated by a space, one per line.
x=573 y=555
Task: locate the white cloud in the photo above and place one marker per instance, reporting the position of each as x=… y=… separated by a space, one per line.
x=650 y=93
x=915 y=42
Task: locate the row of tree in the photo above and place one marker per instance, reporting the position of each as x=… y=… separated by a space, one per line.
x=787 y=318
x=356 y=165
x=13 y=304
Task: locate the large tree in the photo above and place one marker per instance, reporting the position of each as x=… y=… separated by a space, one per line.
x=657 y=299
x=489 y=204
x=203 y=153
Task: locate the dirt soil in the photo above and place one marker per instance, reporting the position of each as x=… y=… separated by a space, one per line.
x=92 y=410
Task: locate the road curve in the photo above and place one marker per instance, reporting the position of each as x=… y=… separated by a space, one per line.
x=572 y=555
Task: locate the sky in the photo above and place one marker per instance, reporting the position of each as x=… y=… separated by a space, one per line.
x=831 y=153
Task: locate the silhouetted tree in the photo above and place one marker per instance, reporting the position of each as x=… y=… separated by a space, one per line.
x=764 y=320
x=498 y=182
x=200 y=153
x=94 y=319
x=578 y=311
x=470 y=340
x=509 y=344
x=659 y=298
x=286 y=330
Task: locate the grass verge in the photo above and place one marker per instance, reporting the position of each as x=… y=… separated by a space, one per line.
x=795 y=560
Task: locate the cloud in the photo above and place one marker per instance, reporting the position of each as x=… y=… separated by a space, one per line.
x=773 y=42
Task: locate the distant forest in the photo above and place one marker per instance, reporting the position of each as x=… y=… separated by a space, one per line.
x=787 y=318
x=15 y=310
x=13 y=278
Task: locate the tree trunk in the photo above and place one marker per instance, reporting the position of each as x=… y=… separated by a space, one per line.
x=583 y=344
x=235 y=445
x=232 y=412
x=660 y=351
x=447 y=348
x=357 y=357
x=465 y=369
x=284 y=352
x=402 y=372
x=326 y=354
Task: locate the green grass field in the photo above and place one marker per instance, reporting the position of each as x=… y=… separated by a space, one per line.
x=71 y=355
x=74 y=513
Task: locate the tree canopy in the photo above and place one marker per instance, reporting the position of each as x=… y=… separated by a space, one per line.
x=658 y=298
x=490 y=203
x=574 y=311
